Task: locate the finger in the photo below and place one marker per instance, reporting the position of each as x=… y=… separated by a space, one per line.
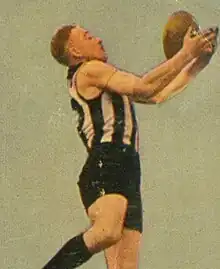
x=189 y=30
x=211 y=36
x=192 y=32
x=208 y=48
x=215 y=29
x=214 y=45
x=211 y=33
x=208 y=36
x=207 y=32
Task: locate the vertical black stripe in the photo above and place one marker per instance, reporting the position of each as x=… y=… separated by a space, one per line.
x=78 y=108
x=134 y=123
x=95 y=107
x=72 y=70
x=119 y=124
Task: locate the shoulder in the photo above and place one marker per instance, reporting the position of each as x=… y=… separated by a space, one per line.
x=96 y=73
x=104 y=76
x=96 y=66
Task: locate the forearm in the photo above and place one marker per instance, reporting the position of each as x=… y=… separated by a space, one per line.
x=174 y=88
x=168 y=69
x=162 y=75
x=180 y=82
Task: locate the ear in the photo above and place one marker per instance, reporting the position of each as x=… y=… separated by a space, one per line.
x=75 y=52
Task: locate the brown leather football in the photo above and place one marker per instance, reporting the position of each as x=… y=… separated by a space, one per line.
x=175 y=30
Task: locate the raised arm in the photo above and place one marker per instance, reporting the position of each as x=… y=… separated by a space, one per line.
x=109 y=78
x=181 y=81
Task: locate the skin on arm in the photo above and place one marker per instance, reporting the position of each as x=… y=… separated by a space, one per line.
x=104 y=76
x=210 y=36
x=188 y=73
x=182 y=80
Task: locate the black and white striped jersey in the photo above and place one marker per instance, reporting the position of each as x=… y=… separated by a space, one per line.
x=109 y=117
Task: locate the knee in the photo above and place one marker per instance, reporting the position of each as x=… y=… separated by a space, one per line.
x=101 y=237
x=111 y=236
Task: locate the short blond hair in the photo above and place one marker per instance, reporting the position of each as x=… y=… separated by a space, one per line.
x=58 y=45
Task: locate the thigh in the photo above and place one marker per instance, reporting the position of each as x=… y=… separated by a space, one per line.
x=124 y=254
x=107 y=217
x=109 y=209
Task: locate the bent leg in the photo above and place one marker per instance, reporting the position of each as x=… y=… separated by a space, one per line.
x=107 y=214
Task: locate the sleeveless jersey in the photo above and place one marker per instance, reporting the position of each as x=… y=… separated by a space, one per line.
x=110 y=117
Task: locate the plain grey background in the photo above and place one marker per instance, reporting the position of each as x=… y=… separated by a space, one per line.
x=41 y=155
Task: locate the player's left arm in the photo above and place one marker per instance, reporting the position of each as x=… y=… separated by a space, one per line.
x=181 y=81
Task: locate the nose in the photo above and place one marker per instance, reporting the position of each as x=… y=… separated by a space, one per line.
x=99 y=40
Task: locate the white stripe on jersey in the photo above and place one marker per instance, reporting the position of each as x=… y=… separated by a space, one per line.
x=108 y=116
x=137 y=140
x=128 y=124
x=88 y=128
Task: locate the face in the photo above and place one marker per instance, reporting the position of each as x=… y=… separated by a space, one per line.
x=83 y=45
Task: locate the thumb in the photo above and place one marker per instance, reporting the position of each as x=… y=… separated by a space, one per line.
x=190 y=33
x=189 y=30
x=187 y=34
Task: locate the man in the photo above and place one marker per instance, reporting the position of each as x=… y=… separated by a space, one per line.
x=103 y=97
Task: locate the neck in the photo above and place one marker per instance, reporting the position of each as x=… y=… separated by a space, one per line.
x=75 y=61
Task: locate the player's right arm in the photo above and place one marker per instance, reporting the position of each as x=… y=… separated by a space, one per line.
x=107 y=77
x=182 y=80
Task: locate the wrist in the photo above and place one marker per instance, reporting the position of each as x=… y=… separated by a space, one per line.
x=181 y=59
x=185 y=55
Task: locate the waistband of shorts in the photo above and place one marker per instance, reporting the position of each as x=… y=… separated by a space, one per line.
x=106 y=147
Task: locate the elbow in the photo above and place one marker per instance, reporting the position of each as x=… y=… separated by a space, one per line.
x=156 y=100
x=146 y=94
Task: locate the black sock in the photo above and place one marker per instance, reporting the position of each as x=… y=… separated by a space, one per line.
x=73 y=254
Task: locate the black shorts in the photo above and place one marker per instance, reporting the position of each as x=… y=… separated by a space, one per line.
x=111 y=169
